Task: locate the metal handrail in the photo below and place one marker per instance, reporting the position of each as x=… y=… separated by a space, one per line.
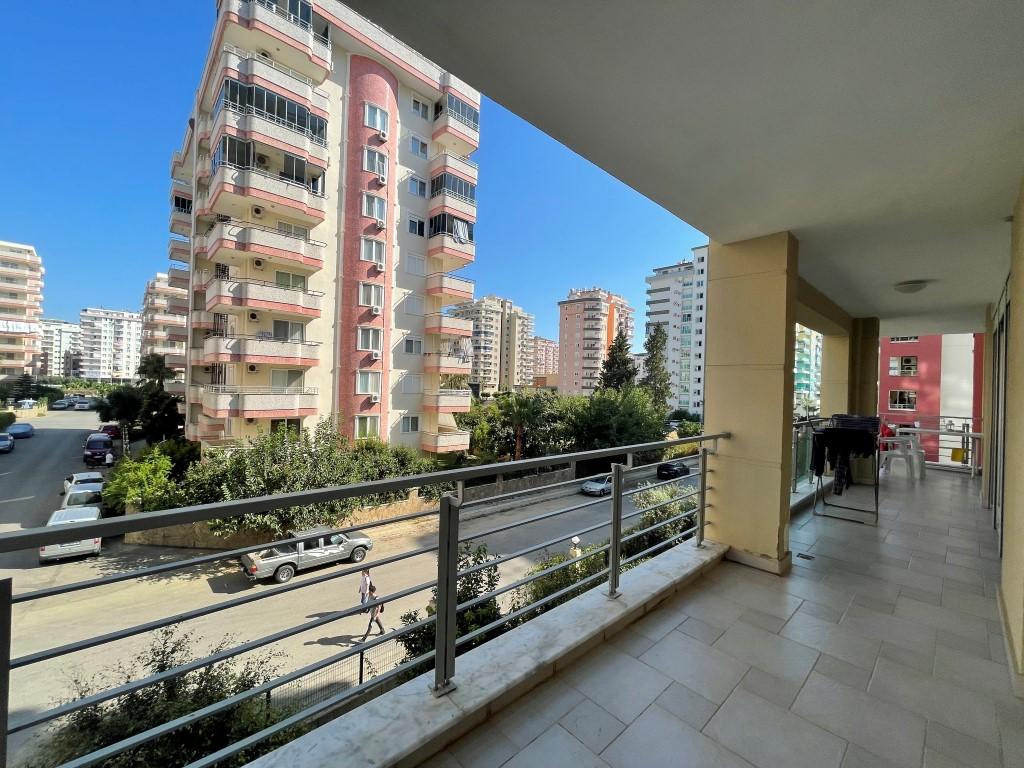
x=249 y=281
x=279 y=11
x=452 y=113
x=456 y=195
x=446 y=153
x=219 y=334
x=260 y=172
x=242 y=389
x=264 y=228
x=249 y=109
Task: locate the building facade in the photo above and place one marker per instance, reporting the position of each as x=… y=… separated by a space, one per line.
x=61 y=350
x=503 y=351
x=164 y=331
x=21 y=309
x=545 y=356
x=676 y=301
x=588 y=321
x=323 y=199
x=807 y=370
x=111 y=342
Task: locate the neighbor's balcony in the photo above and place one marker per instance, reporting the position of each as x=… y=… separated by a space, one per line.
x=181 y=222
x=202 y=319
x=455 y=134
x=175 y=387
x=449 y=288
x=250 y=124
x=458 y=165
x=288 y=82
x=235 y=189
x=260 y=350
x=267 y=25
x=445 y=441
x=228 y=400
x=439 y=323
x=446 y=201
x=442 y=362
x=448 y=400
x=232 y=238
x=453 y=254
x=224 y=295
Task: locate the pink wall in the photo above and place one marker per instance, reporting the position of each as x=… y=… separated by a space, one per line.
x=927 y=384
x=368 y=81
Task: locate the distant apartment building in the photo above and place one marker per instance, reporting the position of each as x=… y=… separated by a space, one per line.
x=932 y=381
x=676 y=301
x=545 y=356
x=61 y=347
x=21 y=308
x=323 y=200
x=503 y=348
x=807 y=370
x=111 y=343
x=588 y=321
x=164 y=332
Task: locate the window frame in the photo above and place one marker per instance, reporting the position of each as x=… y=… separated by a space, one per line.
x=375 y=240
x=413 y=138
x=369 y=105
x=375 y=332
x=415 y=99
x=420 y=184
x=371 y=375
x=377 y=289
x=411 y=419
x=408 y=377
x=366 y=434
x=894 y=403
x=380 y=162
x=414 y=341
x=367 y=196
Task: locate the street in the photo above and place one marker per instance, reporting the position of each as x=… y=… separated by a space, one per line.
x=43 y=624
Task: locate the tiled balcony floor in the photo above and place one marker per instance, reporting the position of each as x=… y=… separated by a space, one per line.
x=883 y=650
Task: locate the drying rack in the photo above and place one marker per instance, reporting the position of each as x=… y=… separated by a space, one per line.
x=871 y=424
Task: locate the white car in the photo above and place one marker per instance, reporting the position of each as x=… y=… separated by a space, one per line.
x=82 y=405
x=84 y=495
x=600 y=486
x=81 y=477
x=89 y=546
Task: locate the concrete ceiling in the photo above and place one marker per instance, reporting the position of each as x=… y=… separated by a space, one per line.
x=887 y=136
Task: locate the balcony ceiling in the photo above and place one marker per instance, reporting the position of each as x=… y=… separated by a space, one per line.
x=889 y=137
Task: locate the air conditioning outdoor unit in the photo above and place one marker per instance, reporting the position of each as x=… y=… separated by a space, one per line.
x=257 y=263
x=252 y=368
x=375 y=355
x=254 y=316
x=380 y=224
x=262 y=161
x=382 y=134
x=379 y=266
x=374 y=398
x=375 y=310
x=257 y=212
x=382 y=179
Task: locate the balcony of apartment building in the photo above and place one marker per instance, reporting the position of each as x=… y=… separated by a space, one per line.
x=258 y=401
x=444 y=440
x=295 y=33
x=181 y=218
x=442 y=324
x=447 y=360
x=258 y=246
x=445 y=162
x=265 y=348
x=452 y=194
x=449 y=289
x=456 y=125
x=228 y=294
x=178 y=277
x=252 y=66
x=179 y=249
x=450 y=240
x=447 y=400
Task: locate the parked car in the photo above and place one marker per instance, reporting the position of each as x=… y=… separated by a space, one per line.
x=84 y=495
x=89 y=546
x=82 y=405
x=97 y=446
x=597 y=487
x=59 y=405
x=112 y=431
x=6 y=442
x=675 y=468
x=318 y=547
x=20 y=430
x=81 y=478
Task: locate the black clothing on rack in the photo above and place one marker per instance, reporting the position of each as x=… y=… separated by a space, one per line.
x=837 y=445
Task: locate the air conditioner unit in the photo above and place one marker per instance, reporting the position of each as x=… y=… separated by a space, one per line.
x=262 y=161
x=375 y=310
x=379 y=266
x=382 y=134
x=382 y=179
x=381 y=224
x=252 y=368
x=257 y=263
x=257 y=212
x=375 y=354
x=374 y=398
x=254 y=316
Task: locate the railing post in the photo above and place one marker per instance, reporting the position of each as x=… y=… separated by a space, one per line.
x=6 y=592
x=615 y=542
x=796 y=449
x=629 y=460
x=361 y=667
x=445 y=629
x=702 y=496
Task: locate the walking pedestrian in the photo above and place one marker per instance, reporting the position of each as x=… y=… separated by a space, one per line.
x=375 y=613
x=365 y=582
x=109 y=460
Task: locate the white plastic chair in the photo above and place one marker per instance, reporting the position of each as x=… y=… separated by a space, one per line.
x=899 y=448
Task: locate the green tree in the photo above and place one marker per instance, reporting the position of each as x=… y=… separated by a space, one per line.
x=182 y=453
x=145 y=483
x=610 y=418
x=523 y=413
x=681 y=414
x=618 y=371
x=158 y=414
x=106 y=723
x=122 y=404
x=153 y=369
x=656 y=379
x=24 y=386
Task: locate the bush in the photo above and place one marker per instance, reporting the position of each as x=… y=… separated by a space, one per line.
x=145 y=483
x=6 y=419
x=102 y=724
x=182 y=453
x=649 y=497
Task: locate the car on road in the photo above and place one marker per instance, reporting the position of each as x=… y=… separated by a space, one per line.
x=317 y=546
x=84 y=495
x=88 y=546
x=600 y=486
x=59 y=405
x=79 y=478
x=6 y=442
x=82 y=405
x=97 y=446
x=669 y=469
x=112 y=431
x=20 y=430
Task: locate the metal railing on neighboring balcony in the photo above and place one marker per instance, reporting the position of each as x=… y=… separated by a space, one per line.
x=207 y=277
x=461 y=118
x=228 y=221
x=461 y=158
x=306 y=185
x=244 y=54
x=273 y=7
x=249 y=109
x=245 y=389
x=337 y=682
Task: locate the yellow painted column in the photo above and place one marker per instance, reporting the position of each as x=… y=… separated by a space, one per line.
x=752 y=287
x=986 y=408
x=864 y=366
x=835 y=375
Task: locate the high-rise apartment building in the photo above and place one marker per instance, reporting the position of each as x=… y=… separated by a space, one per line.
x=502 y=343
x=21 y=308
x=61 y=347
x=545 y=356
x=323 y=198
x=111 y=343
x=588 y=321
x=807 y=369
x=164 y=331
x=676 y=301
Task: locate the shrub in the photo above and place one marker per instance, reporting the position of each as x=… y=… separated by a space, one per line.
x=6 y=419
x=145 y=482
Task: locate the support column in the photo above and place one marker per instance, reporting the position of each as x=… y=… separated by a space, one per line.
x=849 y=370
x=835 y=375
x=986 y=411
x=752 y=290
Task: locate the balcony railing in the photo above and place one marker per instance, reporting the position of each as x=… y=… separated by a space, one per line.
x=292 y=18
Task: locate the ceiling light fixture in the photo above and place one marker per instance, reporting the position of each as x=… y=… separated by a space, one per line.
x=911 y=286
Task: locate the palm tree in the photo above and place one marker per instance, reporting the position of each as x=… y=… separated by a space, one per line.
x=154 y=369
x=521 y=412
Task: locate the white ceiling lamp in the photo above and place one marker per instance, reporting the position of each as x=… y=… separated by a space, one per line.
x=911 y=286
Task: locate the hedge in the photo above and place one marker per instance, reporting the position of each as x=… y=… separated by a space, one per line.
x=6 y=419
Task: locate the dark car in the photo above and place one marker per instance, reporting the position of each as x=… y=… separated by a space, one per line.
x=20 y=430
x=670 y=469
x=6 y=442
x=97 y=446
x=112 y=431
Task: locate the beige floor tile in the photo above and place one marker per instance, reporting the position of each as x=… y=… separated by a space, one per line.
x=858 y=757
x=986 y=677
x=621 y=684
x=841 y=671
x=688 y=706
x=881 y=626
x=556 y=748
x=592 y=725
x=773 y=601
x=942 y=618
x=536 y=711
x=961 y=747
x=658 y=623
x=976 y=605
x=700 y=630
x=700 y=603
x=700 y=668
x=484 y=747
x=773 y=654
x=770 y=687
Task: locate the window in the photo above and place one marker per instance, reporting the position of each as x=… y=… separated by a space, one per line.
x=293 y=229
x=371 y=295
x=375 y=162
x=413 y=304
x=415 y=265
x=375 y=207
x=285 y=330
x=182 y=204
x=447 y=182
x=418 y=147
x=294 y=169
x=375 y=117
x=902 y=339
x=458 y=109
x=410 y=424
x=417 y=187
x=416 y=225
x=255 y=99
x=905 y=365
x=232 y=151
x=289 y=280
x=412 y=383
x=446 y=224
x=369 y=339
x=367 y=426
x=372 y=250
x=413 y=345
x=902 y=400
x=368 y=383
x=286 y=424
x=282 y=378
x=420 y=107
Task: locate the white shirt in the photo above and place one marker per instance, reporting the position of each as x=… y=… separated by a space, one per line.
x=364 y=585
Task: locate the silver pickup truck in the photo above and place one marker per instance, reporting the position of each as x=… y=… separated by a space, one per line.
x=318 y=546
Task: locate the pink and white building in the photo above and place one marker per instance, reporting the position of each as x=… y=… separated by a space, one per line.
x=545 y=356
x=21 y=309
x=588 y=321
x=323 y=201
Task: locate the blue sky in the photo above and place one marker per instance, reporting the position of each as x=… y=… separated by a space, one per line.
x=97 y=102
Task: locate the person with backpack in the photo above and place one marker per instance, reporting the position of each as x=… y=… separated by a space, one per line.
x=375 y=611
x=365 y=582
